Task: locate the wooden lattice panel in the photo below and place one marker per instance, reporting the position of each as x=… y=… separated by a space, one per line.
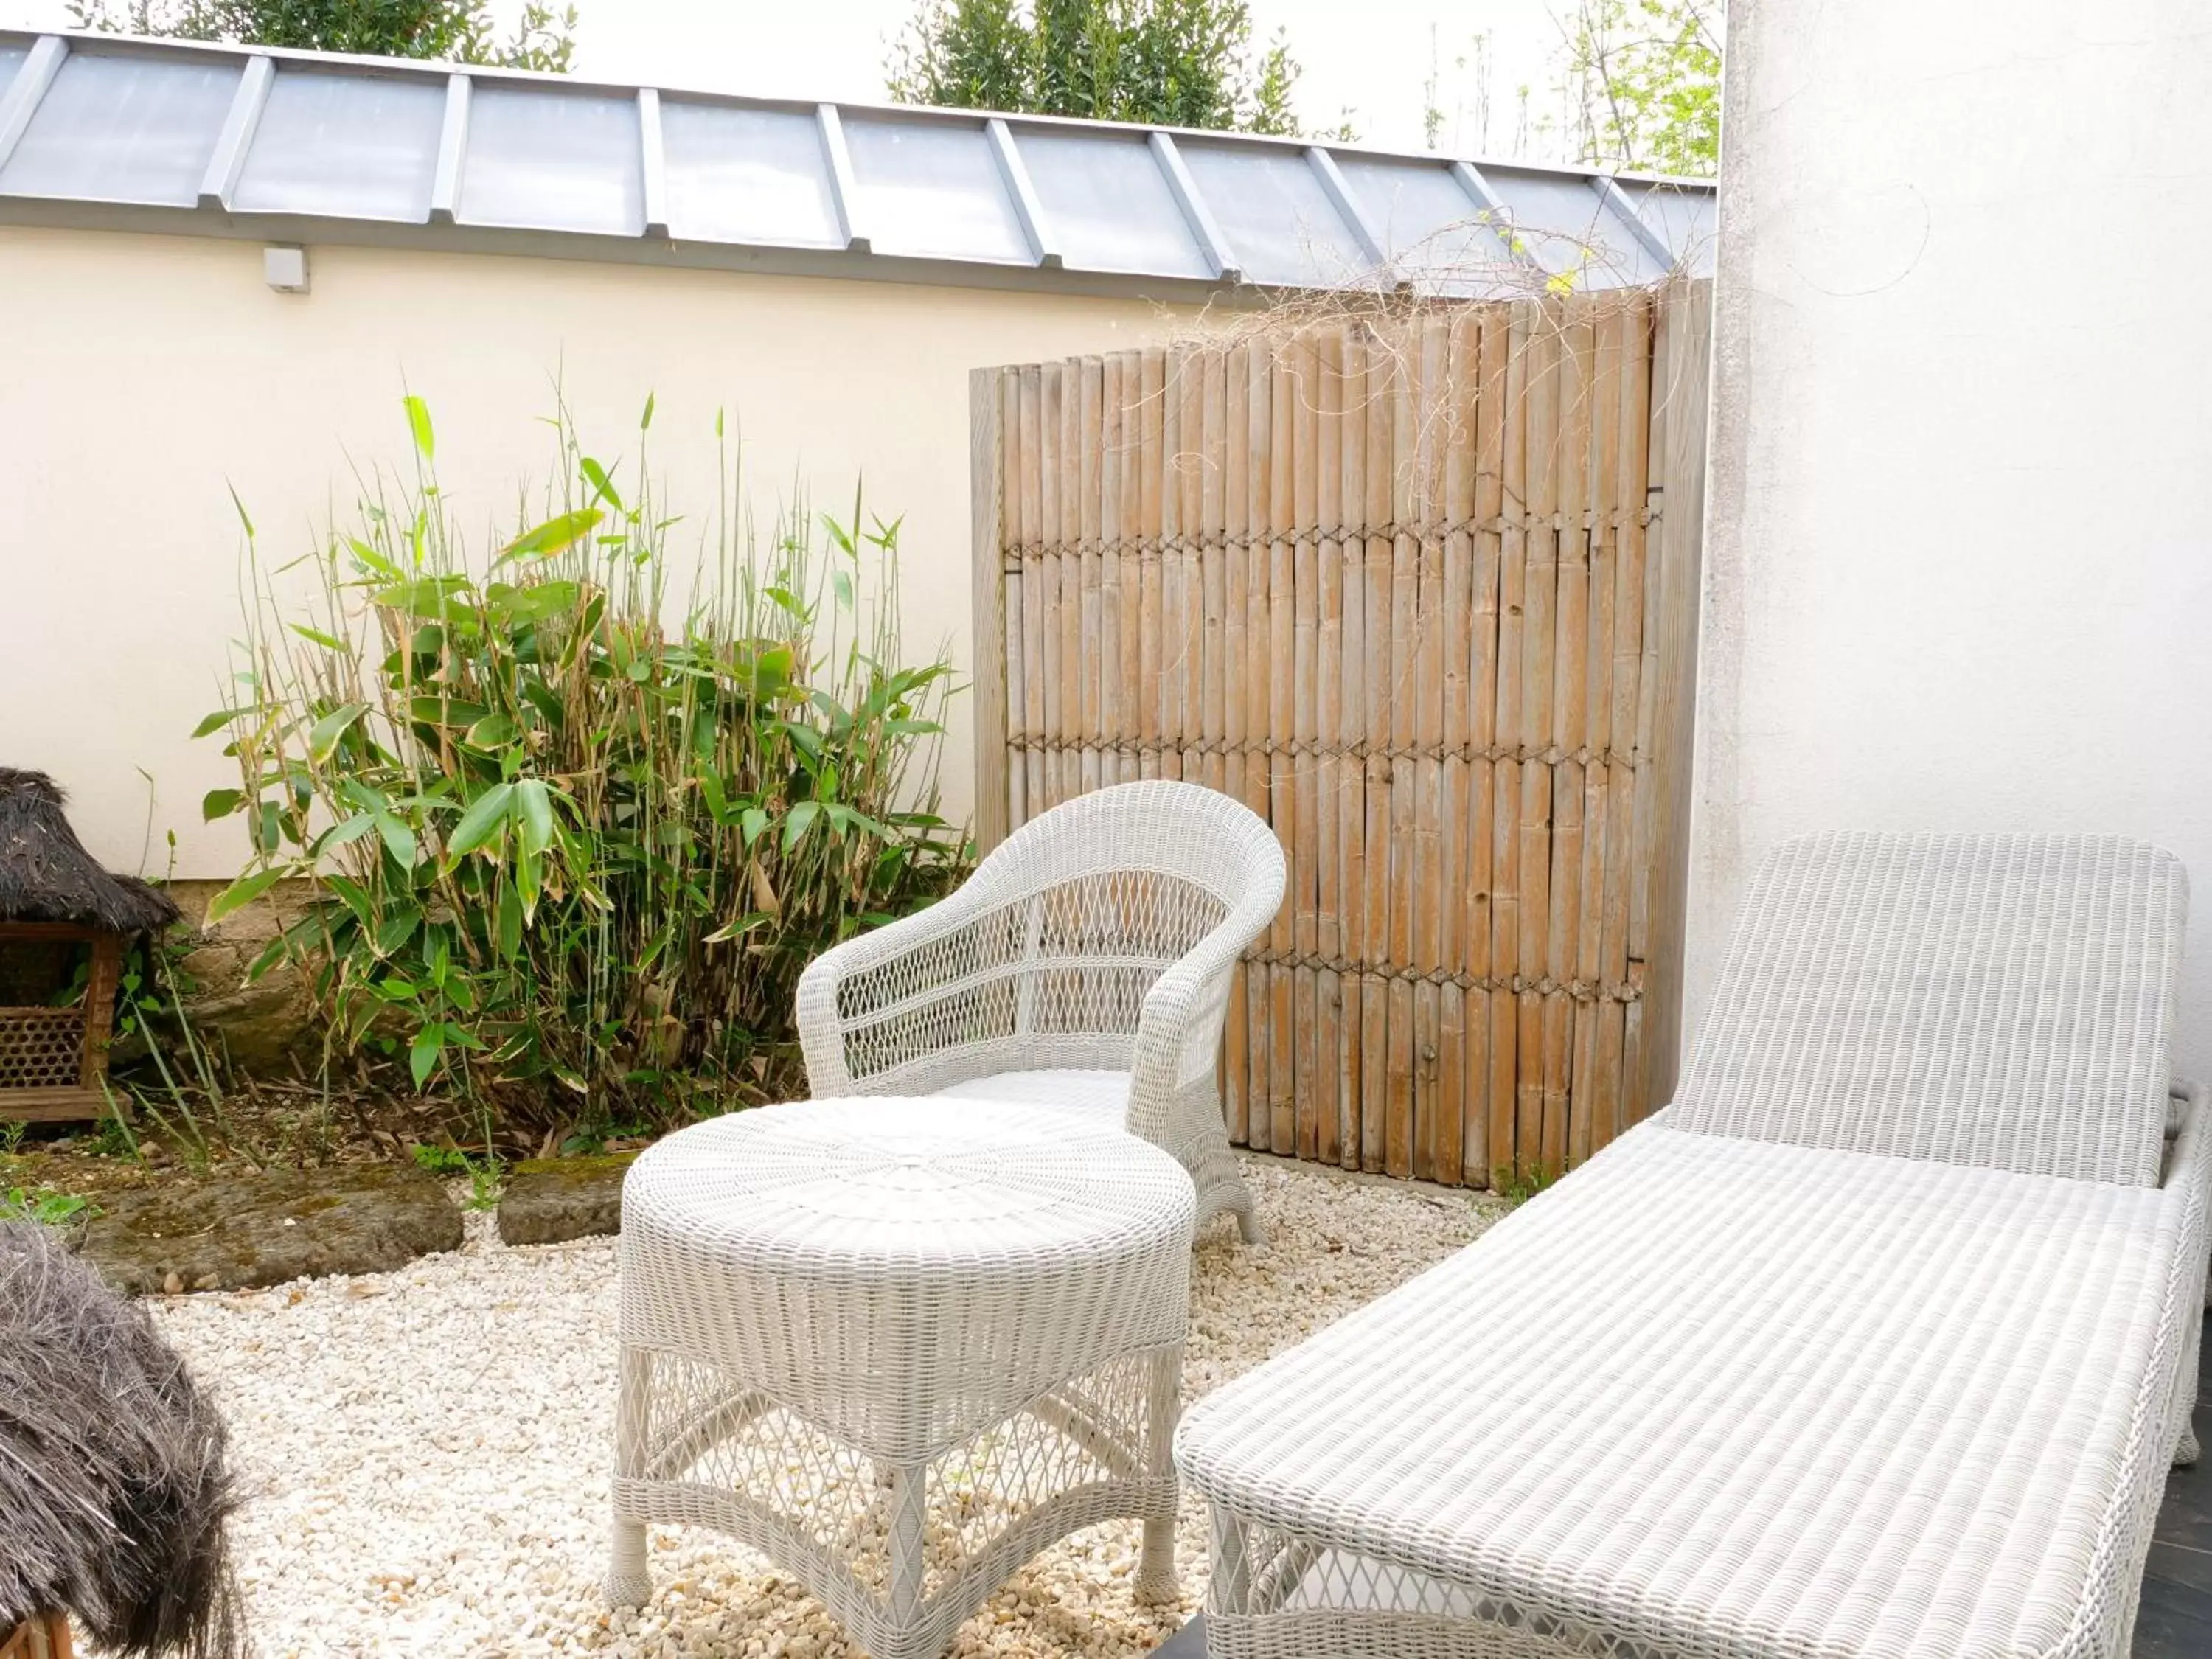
x=39 y=1048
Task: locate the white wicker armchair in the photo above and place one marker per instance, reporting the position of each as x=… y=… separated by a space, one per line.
x=1084 y=965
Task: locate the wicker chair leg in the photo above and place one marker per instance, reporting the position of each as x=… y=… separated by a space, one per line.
x=1248 y=1222
x=1156 y=1562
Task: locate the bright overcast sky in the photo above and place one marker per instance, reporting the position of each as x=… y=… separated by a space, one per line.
x=1369 y=57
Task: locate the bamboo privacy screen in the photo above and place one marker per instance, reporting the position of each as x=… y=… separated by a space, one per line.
x=1421 y=592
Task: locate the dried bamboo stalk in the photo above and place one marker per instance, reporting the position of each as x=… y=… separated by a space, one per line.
x=1171 y=687
x=1211 y=767
x=1057 y=671
x=1152 y=443
x=1350 y=697
x=1282 y=806
x=1007 y=386
x=1258 y=440
x=1028 y=399
x=1381 y=873
x=1509 y=412
x=1130 y=697
x=1112 y=401
x=1090 y=419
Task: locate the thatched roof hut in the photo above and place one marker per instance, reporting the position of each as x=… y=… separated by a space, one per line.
x=114 y=1472
x=46 y=874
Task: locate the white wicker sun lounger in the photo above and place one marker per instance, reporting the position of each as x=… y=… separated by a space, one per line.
x=1875 y=1344
x=1085 y=965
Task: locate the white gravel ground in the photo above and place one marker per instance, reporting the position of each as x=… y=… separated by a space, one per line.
x=425 y=1453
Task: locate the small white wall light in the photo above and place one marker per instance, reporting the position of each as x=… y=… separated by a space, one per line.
x=285 y=269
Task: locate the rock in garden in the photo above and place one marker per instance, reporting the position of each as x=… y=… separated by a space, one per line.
x=547 y=1200
x=236 y=1232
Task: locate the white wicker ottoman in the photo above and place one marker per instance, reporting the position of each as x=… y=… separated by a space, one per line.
x=899 y=1347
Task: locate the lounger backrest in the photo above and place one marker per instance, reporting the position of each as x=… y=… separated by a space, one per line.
x=2004 y=1001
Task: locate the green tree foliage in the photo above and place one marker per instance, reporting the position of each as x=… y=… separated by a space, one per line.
x=1643 y=84
x=1175 y=63
x=458 y=30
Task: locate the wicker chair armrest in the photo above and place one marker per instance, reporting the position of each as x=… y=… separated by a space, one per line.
x=1162 y=1061
x=822 y=1025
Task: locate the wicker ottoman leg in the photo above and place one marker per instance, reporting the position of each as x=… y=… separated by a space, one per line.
x=628 y=1584
x=906 y=1497
x=1156 y=1562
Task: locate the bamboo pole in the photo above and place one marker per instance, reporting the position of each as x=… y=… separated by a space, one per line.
x=1235 y=497
x=1112 y=400
x=1305 y=862
x=1130 y=698
x=1059 y=590
x=1454 y=504
x=1379 y=871
x=1172 y=687
x=1090 y=415
x=1259 y=382
x=1071 y=578
x=1508 y=1153
x=1570 y=723
x=1282 y=806
x=1210 y=766
x=1491 y=333
x=1005 y=386
x=1350 y=697
x=1028 y=395
x=1328 y=727
x=1427 y=362
x=1152 y=375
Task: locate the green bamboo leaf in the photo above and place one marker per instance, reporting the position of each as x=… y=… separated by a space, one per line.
x=219 y=803
x=398 y=838
x=798 y=821
x=419 y=422
x=339 y=833
x=483 y=820
x=510 y=922
x=600 y=481
x=534 y=807
x=494 y=730
x=223 y=717
x=317 y=636
x=397 y=928
x=554 y=535
x=423 y=1053
x=646 y=419
x=323 y=741
x=743 y=923
x=242 y=893
x=373 y=559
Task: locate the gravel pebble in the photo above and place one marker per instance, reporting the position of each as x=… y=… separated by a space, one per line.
x=425 y=1453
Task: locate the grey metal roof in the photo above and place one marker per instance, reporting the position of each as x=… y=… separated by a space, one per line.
x=111 y=133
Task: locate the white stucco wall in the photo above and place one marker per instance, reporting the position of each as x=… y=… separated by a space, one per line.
x=1959 y=550
x=142 y=374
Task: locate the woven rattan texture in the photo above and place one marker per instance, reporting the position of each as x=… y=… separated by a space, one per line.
x=1101 y=936
x=1999 y=1000
x=1729 y=1398
x=899 y=1346
x=1878 y=1343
